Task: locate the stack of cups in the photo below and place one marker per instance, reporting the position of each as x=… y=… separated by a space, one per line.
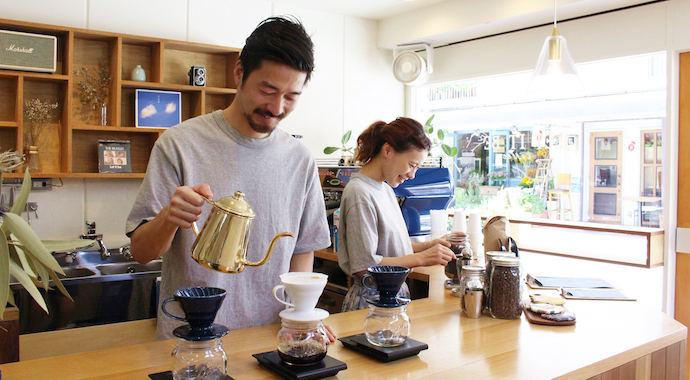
x=474 y=231
x=459 y=222
x=439 y=223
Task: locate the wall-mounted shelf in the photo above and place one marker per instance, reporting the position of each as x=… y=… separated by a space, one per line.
x=69 y=148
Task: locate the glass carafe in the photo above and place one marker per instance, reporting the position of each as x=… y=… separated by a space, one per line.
x=199 y=359
x=302 y=343
x=387 y=326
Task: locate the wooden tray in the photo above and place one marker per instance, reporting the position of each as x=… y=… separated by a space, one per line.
x=535 y=318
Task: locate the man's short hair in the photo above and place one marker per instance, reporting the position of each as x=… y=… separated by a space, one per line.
x=282 y=40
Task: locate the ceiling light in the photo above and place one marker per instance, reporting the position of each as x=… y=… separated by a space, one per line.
x=555 y=74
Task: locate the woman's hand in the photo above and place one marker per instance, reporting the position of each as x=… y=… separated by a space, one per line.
x=441 y=240
x=330 y=333
x=438 y=254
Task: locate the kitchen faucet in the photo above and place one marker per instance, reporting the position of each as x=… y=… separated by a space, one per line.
x=91 y=234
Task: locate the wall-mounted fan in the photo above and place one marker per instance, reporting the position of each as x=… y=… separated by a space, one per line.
x=409 y=67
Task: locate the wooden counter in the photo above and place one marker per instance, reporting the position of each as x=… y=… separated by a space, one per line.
x=610 y=338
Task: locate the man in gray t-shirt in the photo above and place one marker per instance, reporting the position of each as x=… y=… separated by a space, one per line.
x=238 y=148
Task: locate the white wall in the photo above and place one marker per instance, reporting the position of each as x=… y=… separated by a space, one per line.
x=351 y=86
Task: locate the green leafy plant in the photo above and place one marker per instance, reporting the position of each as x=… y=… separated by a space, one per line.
x=532 y=203
x=343 y=140
x=22 y=253
x=437 y=140
x=470 y=196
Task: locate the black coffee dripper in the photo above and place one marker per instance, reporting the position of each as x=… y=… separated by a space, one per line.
x=199 y=304
x=388 y=280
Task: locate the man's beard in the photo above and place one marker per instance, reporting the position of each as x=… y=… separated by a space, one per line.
x=262 y=128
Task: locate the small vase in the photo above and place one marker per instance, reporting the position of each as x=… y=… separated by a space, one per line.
x=32 y=159
x=138 y=74
x=104 y=114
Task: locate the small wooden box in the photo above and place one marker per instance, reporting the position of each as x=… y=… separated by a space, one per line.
x=28 y=51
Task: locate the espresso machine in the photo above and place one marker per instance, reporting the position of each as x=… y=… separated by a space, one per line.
x=431 y=189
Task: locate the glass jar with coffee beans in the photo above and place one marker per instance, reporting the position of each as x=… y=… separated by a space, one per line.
x=489 y=266
x=506 y=288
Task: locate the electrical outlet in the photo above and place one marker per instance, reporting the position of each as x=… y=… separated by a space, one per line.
x=42 y=184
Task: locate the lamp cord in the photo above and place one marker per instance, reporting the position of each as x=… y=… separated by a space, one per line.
x=554 y=14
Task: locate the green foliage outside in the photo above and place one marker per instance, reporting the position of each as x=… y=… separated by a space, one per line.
x=532 y=203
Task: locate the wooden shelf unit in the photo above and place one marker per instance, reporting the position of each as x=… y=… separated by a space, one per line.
x=69 y=148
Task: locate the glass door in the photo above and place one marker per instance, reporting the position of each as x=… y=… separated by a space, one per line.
x=605 y=177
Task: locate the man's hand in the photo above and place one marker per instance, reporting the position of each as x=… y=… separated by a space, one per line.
x=151 y=240
x=186 y=205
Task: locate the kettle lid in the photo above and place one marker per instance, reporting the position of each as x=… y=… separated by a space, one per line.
x=236 y=205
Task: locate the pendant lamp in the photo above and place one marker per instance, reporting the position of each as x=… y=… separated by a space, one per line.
x=555 y=74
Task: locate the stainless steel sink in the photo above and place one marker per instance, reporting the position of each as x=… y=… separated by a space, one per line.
x=70 y=273
x=94 y=257
x=65 y=260
x=89 y=258
x=76 y=272
x=129 y=267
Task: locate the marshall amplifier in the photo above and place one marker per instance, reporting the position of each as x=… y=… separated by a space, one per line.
x=27 y=51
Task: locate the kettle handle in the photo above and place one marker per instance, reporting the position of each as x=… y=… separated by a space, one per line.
x=270 y=250
x=194 y=226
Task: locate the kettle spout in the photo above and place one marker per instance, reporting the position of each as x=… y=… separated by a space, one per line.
x=270 y=249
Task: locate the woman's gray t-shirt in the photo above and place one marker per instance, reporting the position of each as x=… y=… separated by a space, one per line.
x=371 y=225
x=279 y=178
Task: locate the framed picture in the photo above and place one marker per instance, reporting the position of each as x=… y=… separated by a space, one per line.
x=571 y=142
x=114 y=156
x=157 y=109
x=556 y=141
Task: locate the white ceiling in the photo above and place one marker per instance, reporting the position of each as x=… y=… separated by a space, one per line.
x=370 y=9
x=475 y=18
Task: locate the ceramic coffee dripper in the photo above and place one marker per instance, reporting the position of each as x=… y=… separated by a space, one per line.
x=199 y=304
x=303 y=289
x=222 y=243
x=388 y=280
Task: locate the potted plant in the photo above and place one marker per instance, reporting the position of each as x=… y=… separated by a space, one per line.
x=527 y=182
x=22 y=253
x=497 y=178
x=533 y=204
x=347 y=158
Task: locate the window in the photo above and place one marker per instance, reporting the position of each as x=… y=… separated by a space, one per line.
x=499 y=129
x=650 y=185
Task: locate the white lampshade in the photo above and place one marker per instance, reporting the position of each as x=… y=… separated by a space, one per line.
x=555 y=74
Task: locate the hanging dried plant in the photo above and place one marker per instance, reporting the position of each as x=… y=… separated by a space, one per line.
x=94 y=88
x=37 y=113
x=10 y=160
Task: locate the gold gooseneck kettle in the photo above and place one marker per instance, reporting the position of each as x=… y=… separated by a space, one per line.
x=222 y=243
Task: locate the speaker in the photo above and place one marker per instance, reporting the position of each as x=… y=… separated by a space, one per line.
x=28 y=51
x=197 y=76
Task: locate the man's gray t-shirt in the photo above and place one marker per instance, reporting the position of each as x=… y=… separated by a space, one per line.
x=279 y=178
x=371 y=225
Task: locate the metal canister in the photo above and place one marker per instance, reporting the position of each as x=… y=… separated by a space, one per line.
x=472 y=290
